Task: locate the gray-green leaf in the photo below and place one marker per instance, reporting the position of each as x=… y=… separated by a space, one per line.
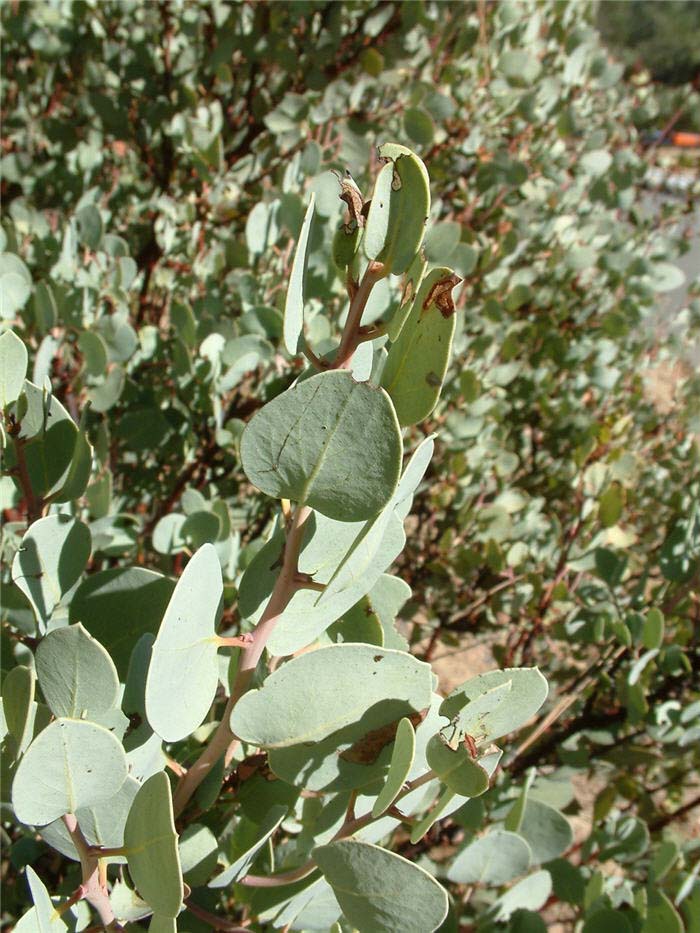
x=50 y=559
x=329 y=442
x=294 y=302
x=71 y=764
x=76 y=675
x=183 y=673
x=381 y=891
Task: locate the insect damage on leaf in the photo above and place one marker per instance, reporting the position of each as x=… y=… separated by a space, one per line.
x=367 y=749
x=352 y=196
x=441 y=295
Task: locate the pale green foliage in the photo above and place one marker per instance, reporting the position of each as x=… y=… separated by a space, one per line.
x=287 y=419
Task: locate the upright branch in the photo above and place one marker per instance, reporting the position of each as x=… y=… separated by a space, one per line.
x=223 y=740
x=94 y=882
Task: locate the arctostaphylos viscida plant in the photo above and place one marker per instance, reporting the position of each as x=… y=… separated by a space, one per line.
x=270 y=746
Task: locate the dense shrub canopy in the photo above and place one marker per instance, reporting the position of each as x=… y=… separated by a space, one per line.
x=157 y=166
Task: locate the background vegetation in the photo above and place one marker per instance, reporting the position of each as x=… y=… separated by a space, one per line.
x=157 y=159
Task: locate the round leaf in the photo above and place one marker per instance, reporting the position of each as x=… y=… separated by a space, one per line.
x=418 y=126
x=76 y=675
x=456 y=769
x=378 y=890
x=494 y=860
x=494 y=704
x=71 y=764
x=546 y=831
x=50 y=559
x=330 y=442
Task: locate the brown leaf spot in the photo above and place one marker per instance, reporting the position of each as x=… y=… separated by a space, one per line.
x=441 y=295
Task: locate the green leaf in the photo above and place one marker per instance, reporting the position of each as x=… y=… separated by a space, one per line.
x=399 y=211
x=14 y=293
x=76 y=675
x=71 y=764
x=119 y=605
x=596 y=162
x=519 y=67
x=494 y=704
x=515 y=814
x=13 y=367
x=242 y=864
x=606 y=920
x=421 y=827
x=456 y=769
x=90 y=226
x=50 y=559
x=200 y=528
x=45 y=310
x=399 y=767
x=362 y=555
x=546 y=831
x=348 y=680
x=160 y=924
x=417 y=362
x=378 y=890
x=329 y=442
x=150 y=842
x=418 y=126
x=198 y=848
x=17 y=699
x=294 y=302
x=610 y=505
x=653 y=630
x=106 y=395
x=102 y=824
x=492 y=860
x=42 y=917
x=441 y=241
x=326 y=544
x=662 y=916
x=529 y=894
x=184 y=673
x=76 y=479
x=94 y=351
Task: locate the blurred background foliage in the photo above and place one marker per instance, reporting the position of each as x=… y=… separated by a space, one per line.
x=156 y=163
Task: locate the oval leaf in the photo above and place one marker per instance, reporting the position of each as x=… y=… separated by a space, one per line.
x=150 y=842
x=51 y=557
x=71 y=764
x=13 y=367
x=416 y=365
x=399 y=211
x=76 y=675
x=494 y=859
x=345 y=682
x=378 y=890
x=494 y=704
x=399 y=767
x=330 y=442
x=456 y=769
x=183 y=673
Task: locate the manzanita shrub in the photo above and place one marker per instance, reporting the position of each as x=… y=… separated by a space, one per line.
x=347 y=741
x=278 y=434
